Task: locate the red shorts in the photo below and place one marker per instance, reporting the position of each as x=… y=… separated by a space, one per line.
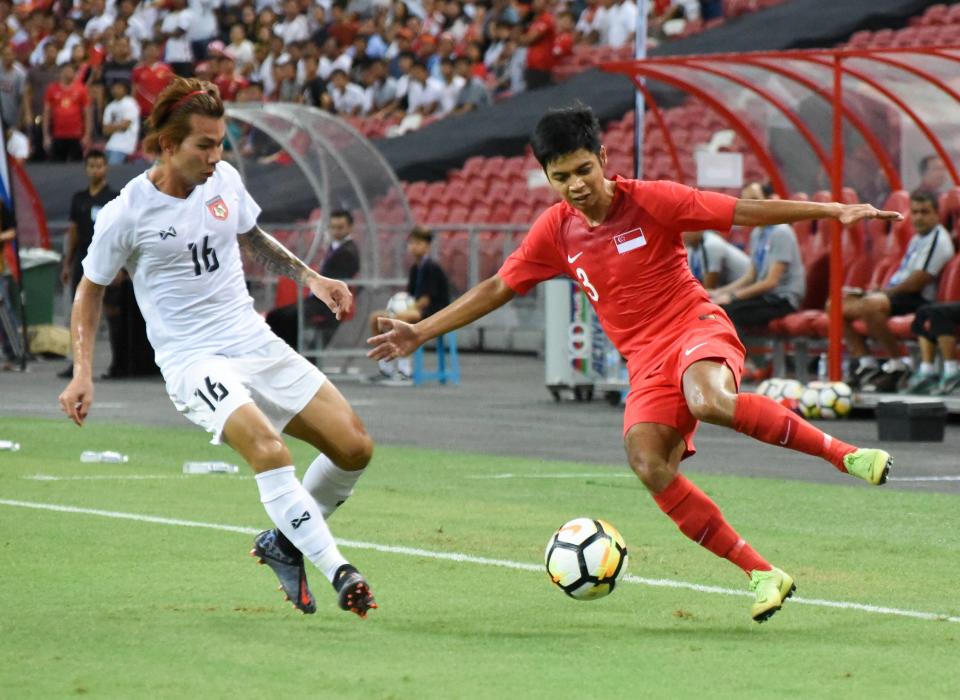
x=657 y=397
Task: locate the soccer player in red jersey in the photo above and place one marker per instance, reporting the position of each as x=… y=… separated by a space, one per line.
x=621 y=240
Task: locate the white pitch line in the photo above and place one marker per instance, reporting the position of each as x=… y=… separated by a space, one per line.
x=123 y=477
x=923 y=478
x=583 y=475
x=467 y=558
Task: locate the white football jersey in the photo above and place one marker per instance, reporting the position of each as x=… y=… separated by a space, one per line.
x=184 y=259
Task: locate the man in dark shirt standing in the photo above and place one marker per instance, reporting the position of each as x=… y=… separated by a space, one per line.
x=429 y=290
x=341 y=262
x=84 y=208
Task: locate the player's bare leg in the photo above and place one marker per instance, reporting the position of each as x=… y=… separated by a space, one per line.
x=654 y=452
x=711 y=395
x=329 y=424
x=288 y=504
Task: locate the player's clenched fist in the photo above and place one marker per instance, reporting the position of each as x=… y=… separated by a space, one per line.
x=76 y=399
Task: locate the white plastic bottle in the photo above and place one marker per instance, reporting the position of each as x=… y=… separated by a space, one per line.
x=107 y=457
x=210 y=468
x=9 y=446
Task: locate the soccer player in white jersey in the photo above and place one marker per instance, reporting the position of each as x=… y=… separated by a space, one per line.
x=178 y=228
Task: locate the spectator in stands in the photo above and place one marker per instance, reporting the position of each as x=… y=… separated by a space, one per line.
x=912 y=285
x=341 y=262
x=241 y=46
x=227 y=80
x=774 y=283
x=423 y=93
x=121 y=123
x=67 y=117
x=39 y=78
x=619 y=23
x=933 y=174
x=474 y=94
x=429 y=289
x=8 y=324
x=450 y=85
x=150 y=77
x=13 y=86
x=314 y=87
x=714 y=260
x=380 y=90
x=294 y=26
x=177 y=51
x=539 y=39
x=565 y=38
x=935 y=326
x=285 y=80
x=84 y=209
x=204 y=26
x=348 y=98
x=118 y=66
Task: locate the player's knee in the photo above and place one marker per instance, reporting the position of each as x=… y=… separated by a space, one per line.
x=653 y=469
x=268 y=449
x=359 y=453
x=712 y=406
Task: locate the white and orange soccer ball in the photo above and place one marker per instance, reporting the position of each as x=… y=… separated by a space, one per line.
x=835 y=400
x=585 y=558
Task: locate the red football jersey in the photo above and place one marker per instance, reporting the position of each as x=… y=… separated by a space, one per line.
x=67 y=106
x=632 y=267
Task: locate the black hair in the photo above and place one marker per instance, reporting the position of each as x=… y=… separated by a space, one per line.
x=563 y=131
x=342 y=214
x=422 y=234
x=767 y=189
x=924 y=196
x=925 y=162
x=94 y=153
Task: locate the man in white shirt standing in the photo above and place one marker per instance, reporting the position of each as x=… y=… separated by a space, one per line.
x=177 y=51
x=121 y=122
x=178 y=229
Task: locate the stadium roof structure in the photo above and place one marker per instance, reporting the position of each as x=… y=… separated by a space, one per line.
x=295 y=152
x=824 y=119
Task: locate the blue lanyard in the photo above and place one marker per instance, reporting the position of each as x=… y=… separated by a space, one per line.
x=696 y=262
x=760 y=254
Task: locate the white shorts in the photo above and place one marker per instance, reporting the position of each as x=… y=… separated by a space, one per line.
x=275 y=378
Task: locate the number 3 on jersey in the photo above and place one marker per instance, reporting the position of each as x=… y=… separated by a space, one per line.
x=588 y=288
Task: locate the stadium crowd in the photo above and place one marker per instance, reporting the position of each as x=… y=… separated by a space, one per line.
x=84 y=72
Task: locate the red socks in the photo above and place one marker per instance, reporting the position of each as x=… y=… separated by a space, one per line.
x=766 y=420
x=700 y=519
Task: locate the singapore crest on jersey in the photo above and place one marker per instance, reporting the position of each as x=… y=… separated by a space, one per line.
x=218 y=208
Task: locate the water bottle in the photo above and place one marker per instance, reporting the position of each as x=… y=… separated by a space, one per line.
x=822 y=367
x=9 y=446
x=210 y=468
x=107 y=457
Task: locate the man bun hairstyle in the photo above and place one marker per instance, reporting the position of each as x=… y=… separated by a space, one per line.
x=170 y=117
x=563 y=131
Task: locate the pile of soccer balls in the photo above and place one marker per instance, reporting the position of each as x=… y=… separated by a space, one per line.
x=815 y=400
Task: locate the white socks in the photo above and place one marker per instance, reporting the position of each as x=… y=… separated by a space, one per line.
x=299 y=518
x=401 y=365
x=949 y=367
x=329 y=485
x=927 y=369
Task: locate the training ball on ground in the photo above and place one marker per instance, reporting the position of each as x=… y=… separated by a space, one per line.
x=810 y=400
x=835 y=400
x=400 y=302
x=773 y=388
x=585 y=557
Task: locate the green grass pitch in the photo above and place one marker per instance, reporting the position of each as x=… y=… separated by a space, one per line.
x=109 y=607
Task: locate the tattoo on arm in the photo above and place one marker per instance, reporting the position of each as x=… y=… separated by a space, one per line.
x=267 y=250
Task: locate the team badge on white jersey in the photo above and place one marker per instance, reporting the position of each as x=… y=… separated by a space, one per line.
x=218 y=208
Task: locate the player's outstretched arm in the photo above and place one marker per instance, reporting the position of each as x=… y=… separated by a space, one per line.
x=765 y=212
x=76 y=399
x=400 y=339
x=277 y=258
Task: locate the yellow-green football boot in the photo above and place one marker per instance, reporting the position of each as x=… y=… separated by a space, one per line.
x=871 y=465
x=771 y=588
